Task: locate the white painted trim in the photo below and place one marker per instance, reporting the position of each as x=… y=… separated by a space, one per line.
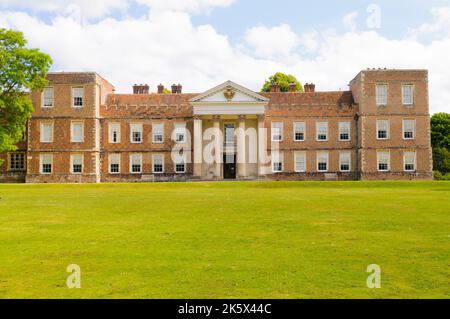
x=109 y=163
x=72 y=131
x=223 y=86
x=71 y=163
x=414 y=129
x=131 y=163
x=304 y=131
x=41 y=133
x=388 y=130
x=389 y=161
x=43 y=99
x=350 y=161
x=317 y=131
x=317 y=161
x=228 y=109
x=110 y=131
x=41 y=163
x=415 y=161
x=153 y=163
x=303 y=153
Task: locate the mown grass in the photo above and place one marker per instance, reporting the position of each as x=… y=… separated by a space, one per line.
x=226 y=240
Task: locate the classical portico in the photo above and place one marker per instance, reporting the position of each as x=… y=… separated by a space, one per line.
x=228 y=132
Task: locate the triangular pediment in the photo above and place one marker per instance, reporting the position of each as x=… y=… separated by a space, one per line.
x=229 y=92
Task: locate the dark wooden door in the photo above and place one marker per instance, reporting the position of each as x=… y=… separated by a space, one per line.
x=229 y=167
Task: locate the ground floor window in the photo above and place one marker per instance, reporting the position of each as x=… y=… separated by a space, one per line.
x=300 y=162
x=277 y=162
x=114 y=163
x=136 y=163
x=409 y=159
x=76 y=163
x=158 y=163
x=180 y=164
x=383 y=161
x=46 y=163
x=17 y=161
x=322 y=161
x=344 y=161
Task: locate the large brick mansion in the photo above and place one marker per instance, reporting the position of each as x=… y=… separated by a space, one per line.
x=83 y=131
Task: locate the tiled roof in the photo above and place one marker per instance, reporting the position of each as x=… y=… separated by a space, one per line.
x=316 y=98
x=149 y=99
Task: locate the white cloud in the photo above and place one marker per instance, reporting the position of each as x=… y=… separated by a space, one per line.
x=271 y=42
x=86 y=8
x=192 y=6
x=349 y=20
x=166 y=47
x=439 y=27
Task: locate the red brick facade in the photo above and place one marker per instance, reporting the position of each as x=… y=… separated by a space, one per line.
x=76 y=129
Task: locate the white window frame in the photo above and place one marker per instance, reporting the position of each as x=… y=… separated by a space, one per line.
x=414 y=162
x=41 y=163
x=319 y=153
x=413 y=129
x=296 y=155
x=378 y=97
x=136 y=127
x=155 y=133
x=318 y=124
x=404 y=102
x=279 y=126
x=72 y=163
x=42 y=125
x=162 y=162
x=388 y=129
x=349 y=154
x=72 y=131
x=131 y=163
x=49 y=88
x=277 y=157
x=340 y=130
x=179 y=130
x=388 y=161
x=302 y=125
x=74 y=89
x=180 y=159
x=110 y=157
x=114 y=127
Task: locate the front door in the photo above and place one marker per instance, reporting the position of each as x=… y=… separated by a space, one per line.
x=229 y=166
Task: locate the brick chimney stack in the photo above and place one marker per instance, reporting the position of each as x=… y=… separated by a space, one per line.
x=310 y=88
x=141 y=89
x=160 y=89
x=293 y=87
x=274 y=88
x=177 y=89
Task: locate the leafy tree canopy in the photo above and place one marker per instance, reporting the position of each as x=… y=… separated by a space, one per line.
x=283 y=80
x=440 y=130
x=21 y=70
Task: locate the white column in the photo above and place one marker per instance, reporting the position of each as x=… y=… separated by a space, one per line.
x=241 y=148
x=262 y=146
x=198 y=147
x=217 y=147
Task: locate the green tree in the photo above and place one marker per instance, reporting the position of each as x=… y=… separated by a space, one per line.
x=21 y=70
x=440 y=130
x=441 y=160
x=284 y=81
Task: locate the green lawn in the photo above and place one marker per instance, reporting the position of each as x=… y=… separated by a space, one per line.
x=226 y=240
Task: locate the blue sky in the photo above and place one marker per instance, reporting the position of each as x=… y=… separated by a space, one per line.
x=397 y=16
x=200 y=43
